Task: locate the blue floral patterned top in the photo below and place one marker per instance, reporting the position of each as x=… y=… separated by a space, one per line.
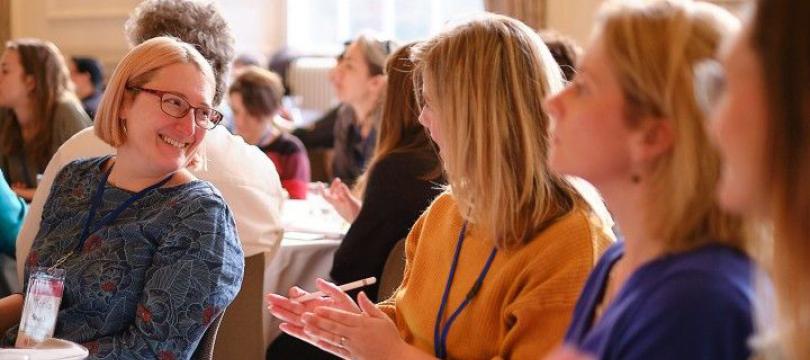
x=147 y=285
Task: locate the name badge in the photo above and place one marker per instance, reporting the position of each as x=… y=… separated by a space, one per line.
x=42 y=300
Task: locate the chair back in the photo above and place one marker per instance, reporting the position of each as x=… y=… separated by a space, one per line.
x=205 y=349
x=393 y=271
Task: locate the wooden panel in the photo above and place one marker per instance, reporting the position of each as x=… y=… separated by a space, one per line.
x=5 y=21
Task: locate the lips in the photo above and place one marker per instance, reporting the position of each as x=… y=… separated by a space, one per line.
x=173 y=142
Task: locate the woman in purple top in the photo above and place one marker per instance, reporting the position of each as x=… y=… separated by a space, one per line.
x=679 y=285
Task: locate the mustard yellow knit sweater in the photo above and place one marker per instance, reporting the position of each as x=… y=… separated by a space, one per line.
x=526 y=301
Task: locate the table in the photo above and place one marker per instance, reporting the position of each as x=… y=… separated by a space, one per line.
x=51 y=349
x=313 y=232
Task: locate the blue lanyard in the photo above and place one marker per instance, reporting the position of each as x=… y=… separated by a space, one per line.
x=440 y=337
x=96 y=202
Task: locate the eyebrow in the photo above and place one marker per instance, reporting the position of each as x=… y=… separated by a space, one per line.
x=178 y=94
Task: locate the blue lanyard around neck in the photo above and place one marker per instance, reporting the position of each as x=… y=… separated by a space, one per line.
x=440 y=332
x=90 y=228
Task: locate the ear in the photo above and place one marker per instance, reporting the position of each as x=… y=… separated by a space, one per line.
x=30 y=83
x=652 y=139
x=126 y=104
x=378 y=82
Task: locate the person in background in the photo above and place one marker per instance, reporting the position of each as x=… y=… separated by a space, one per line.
x=245 y=176
x=150 y=253
x=495 y=264
x=88 y=77
x=762 y=126
x=12 y=212
x=255 y=99
x=679 y=285
x=38 y=111
x=359 y=83
x=565 y=51
x=402 y=179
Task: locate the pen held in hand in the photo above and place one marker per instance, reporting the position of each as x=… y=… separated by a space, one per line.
x=345 y=287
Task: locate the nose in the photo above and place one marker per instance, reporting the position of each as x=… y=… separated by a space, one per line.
x=333 y=74
x=186 y=125
x=553 y=105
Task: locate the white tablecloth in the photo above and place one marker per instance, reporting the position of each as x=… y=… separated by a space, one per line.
x=51 y=349
x=313 y=232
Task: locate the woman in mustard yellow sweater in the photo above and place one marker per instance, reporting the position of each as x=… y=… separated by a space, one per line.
x=496 y=263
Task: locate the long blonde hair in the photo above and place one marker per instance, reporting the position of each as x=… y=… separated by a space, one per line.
x=488 y=78
x=781 y=41
x=653 y=50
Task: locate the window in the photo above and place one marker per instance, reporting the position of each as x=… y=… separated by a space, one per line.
x=321 y=26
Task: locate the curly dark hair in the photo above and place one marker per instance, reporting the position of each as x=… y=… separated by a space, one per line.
x=198 y=23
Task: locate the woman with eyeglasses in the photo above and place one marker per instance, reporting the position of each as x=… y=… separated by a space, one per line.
x=150 y=253
x=762 y=126
x=38 y=111
x=679 y=286
x=495 y=264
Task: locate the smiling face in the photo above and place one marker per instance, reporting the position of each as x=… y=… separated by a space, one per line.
x=15 y=85
x=165 y=143
x=590 y=132
x=739 y=127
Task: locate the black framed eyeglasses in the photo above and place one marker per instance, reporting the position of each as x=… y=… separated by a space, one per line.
x=176 y=106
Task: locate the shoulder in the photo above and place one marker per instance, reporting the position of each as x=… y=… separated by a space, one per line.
x=286 y=144
x=84 y=168
x=706 y=287
x=69 y=110
x=696 y=304
x=712 y=274
x=77 y=175
x=201 y=193
x=253 y=168
x=576 y=235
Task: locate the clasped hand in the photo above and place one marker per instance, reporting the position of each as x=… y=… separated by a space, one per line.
x=337 y=324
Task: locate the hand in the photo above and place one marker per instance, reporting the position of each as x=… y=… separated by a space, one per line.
x=288 y=310
x=368 y=335
x=23 y=191
x=341 y=198
x=568 y=353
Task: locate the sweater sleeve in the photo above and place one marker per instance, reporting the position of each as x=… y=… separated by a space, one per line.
x=395 y=197
x=695 y=316
x=538 y=326
x=196 y=272
x=538 y=316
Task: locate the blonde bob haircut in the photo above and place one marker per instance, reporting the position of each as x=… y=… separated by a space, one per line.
x=487 y=79
x=653 y=49
x=136 y=69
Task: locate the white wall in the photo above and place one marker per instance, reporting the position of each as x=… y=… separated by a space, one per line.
x=572 y=17
x=96 y=27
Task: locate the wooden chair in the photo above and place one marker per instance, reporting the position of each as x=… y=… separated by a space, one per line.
x=205 y=349
x=393 y=271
